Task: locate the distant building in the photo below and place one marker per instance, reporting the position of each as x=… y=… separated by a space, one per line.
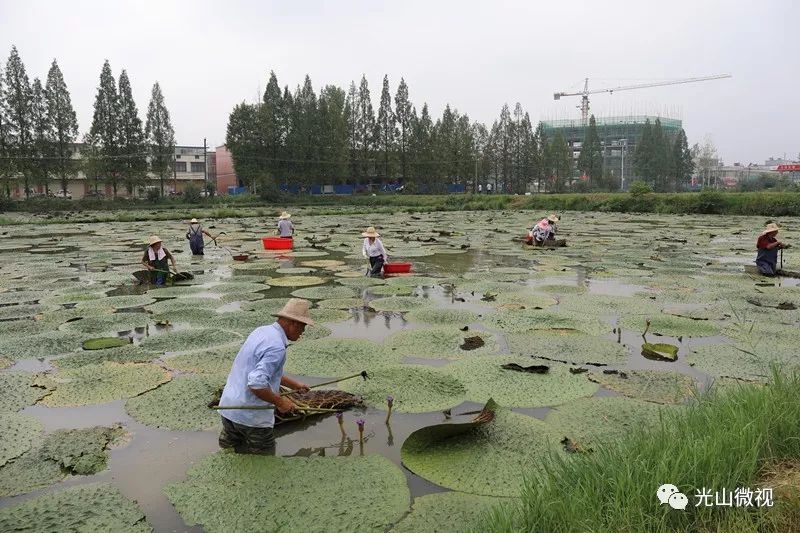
x=227 y=180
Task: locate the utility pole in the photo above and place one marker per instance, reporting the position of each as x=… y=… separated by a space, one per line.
x=622 y=170
x=475 y=184
x=205 y=165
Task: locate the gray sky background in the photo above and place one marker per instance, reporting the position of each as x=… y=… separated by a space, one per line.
x=208 y=56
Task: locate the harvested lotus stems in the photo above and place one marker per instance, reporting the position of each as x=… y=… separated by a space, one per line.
x=340 y=420
x=389 y=402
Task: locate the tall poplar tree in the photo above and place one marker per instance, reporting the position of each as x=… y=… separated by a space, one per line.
x=132 y=146
x=386 y=132
x=352 y=108
x=40 y=128
x=365 y=127
x=64 y=126
x=404 y=113
x=160 y=136
x=5 y=155
x=17 y=107
x=682 y=161
x=422 y=148
x=273 y=125
x=104 y=133
x=590 y=161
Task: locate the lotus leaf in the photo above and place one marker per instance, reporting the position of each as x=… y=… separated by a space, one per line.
x=523 y=298
x=328 y=494
x=604 y=304
x=592 y=422
x=80 y=451
x=438 y=342
x=181 y=404
x=435 y=316
x=528 y=320
x=46 y=344
x=91 y=507
x=101 y=383
x=113 y=323
x=447 y=512
x=129 y=353
x=241 y=297
x=116 y=302
x=188 y=339
x=336 y=357
x=649 y=385
x=216 y=360
x=295 y=281
x=673 y=326
x=416 y=389
x=238 y=287
x=660 y=350
x=18 y=390
x=18 y=434
x=572 y=347
x=732 y=360
x=341 y=303
x=325 y=293
x=103 y=343
x=398 y=303
x=490 y=459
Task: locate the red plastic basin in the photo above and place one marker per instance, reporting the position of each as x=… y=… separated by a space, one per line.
x=396 y=268
x=277 y=243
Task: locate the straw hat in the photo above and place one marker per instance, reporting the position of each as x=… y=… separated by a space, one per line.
x=771 y=228
x=553 y=218
x=296 y=309
x=285 y=215
x=371 y=232
x=154 y=239
x=193 y=221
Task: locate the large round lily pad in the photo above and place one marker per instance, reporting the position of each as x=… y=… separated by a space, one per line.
x=102 y=383
x=650 y=385
x=327 y=494
x=673 y=326
x=441 y=342
x=217 y=360
x=181 y=404
x=295 y=281
x=571 y=347
x=19 y=390
x=732 y=361
x=92 y=507
x=341 y=303
x=104 y=343
x=129 y=353
x=325 y=293
x=435 y=316
x=490 y=459
x=398 y=303
x=527 y=320
x=80 y=451
x=188 y=339
x=116 y=302
x=46 y=344
x=18 y=433
x=447 y=512
x=108 y=324
x=336 y=357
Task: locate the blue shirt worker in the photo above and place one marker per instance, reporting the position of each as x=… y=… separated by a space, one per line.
x=255 y=381
x=285 y=226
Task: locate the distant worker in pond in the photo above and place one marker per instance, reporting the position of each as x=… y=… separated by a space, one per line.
x=285 y=226
x=768 y=246
x=544 y=230
x=255 y=380
x=195 y=236
x=155 y=260
x=374 y=250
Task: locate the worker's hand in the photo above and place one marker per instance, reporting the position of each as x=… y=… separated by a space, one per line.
x=302 y=387
x=285 y=405
x=150 y=267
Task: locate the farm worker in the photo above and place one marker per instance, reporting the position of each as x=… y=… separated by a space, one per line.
x=255 y=379
x=155 y=260
x=768 y=246
x=285 y=226
x=374 y=250
x=195 y=236
x=480 y=188
x=544 y=230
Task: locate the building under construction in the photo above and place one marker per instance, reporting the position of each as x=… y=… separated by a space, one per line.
x=618 y=137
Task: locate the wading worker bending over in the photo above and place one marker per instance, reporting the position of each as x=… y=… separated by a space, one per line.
x=374 y=250
x=256 y=378
x=195 y=236
x=544 y=230
x=155 y=260
x=768 y=246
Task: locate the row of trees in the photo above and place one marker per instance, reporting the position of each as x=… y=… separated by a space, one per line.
x=39 y=129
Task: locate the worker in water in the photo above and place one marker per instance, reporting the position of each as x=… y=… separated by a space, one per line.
x=155 y=260
x=195 y=236
x=255 y=380
x=544 y=230
x=374 y=250
x=768 y=246
x=285 y=226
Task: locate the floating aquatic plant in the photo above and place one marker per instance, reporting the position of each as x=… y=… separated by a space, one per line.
x=649 y=385
x=181 y=404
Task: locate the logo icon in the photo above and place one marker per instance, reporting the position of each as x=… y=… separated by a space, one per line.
x=670 y=494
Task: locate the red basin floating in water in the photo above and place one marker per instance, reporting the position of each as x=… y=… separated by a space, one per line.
x=277 y=243
x=396 y=268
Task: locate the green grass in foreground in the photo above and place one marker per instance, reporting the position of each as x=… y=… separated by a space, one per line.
x=728 y=439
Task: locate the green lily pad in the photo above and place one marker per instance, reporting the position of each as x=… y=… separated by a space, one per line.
x=649 y=385
x=414 y=281
x=46 y=344
x=416 y=389
x=370 y=491
x=398 y=303
x=528 y=320
x=129 y=353
x=103 y=343
x=5 y=363
x=341 y=303
x=329 y=315
x=483 y=377
x=733 y=361
x=188 y=339
x=506 y=449
x=27 y=473
x=21 y=297
x=295 y=270
x=322 y=263
x=434 y=316
x=216 y=360
x=178 y=305
x=80 y=451
x=18 y=434
x=392 y=290
x=116 y=302
x=91 y=507
x=267 y=305
x=562 y=289
x=181 y=404
x=361 y=282
x=13 y=312
x=325 y=293
x=295 y=281
x=447 y=512
x=572 y=347
x=336 y=357
x=113 y=323
x=439 y=342
x=317 y=331
x=101 y=383
x=673 y=326
x=19 y=390
x=661 y=351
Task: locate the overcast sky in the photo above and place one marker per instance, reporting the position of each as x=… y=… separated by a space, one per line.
x=208 y=56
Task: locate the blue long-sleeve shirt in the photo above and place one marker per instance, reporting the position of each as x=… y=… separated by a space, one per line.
x=258 y=365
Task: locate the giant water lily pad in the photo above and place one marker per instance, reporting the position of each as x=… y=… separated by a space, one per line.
x=730 y=360
x=341 y=303
x=217 y=360
x=18 y=433
x=484 y=377
x=178 y=305
x=362 y=282
x=105 y=382
x=13 y=312
x=46 y=344
x=267 y=305
x=527 y=320
x=27 y=473
x=19 y=297
x=447 y=512
x=188 y=339
x=327 y=493
x=398 y=303
x=295 y=281
x=660 y=351
x=110 y=324
x=592 y=422
x=434 y=316
x=19 y=390
x=91 y=507
x=440 y=342
x=104 y=343
x=325 y=293
x=329 y=315
x=181 y=404
x=5 y=363
x=568 y=346
x=116 y=302
x=128 y=353
x=489 y=459
x=336 y=357
x=392 y=290
x=80 y=451
x=416 y=389
x=649 y=385
x=673 y=326
x=322 y=263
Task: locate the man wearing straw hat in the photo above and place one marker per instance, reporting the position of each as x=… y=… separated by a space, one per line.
x=195 y=236
x=155 y=260
x=768 y=246
x=544 y=230
x=374 y=250
x=255 y=380
x=285 y=226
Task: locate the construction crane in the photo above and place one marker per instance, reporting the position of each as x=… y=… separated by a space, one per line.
x=584 y=94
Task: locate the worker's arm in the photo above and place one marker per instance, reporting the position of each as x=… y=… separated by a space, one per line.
x=258 y=380
x=294 y=384
x=283 y=403
x=208 y=235
x=146 y=261
x=172 y=259
x=383 y=251
x=364 y=248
